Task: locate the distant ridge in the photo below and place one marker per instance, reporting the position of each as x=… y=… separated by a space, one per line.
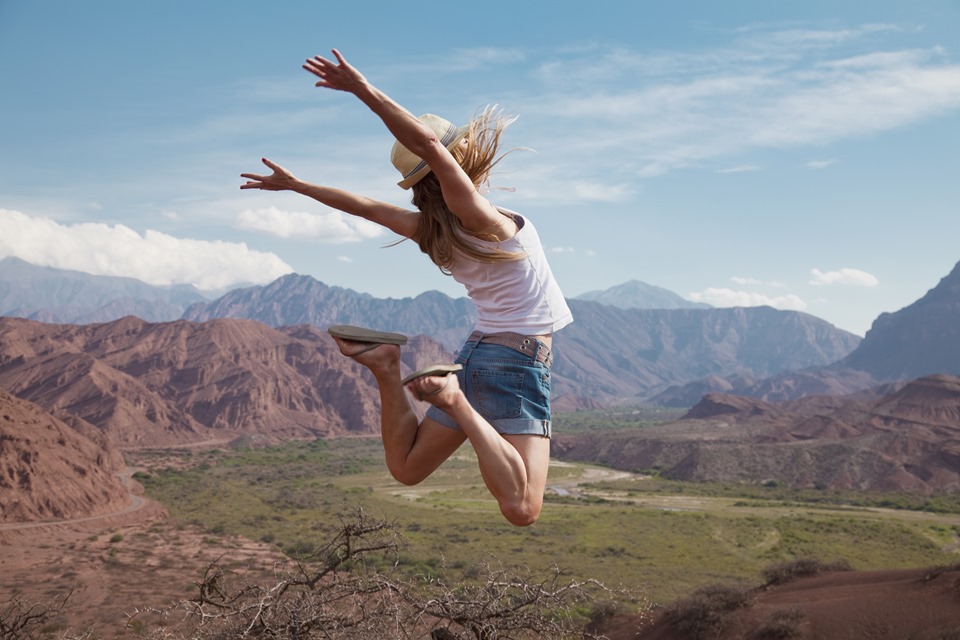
x=299 y=299
x=60 y=295
x=635 y=294
x=919 y=340
x=610 y=354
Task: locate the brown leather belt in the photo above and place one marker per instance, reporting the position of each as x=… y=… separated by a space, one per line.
x=517 y=342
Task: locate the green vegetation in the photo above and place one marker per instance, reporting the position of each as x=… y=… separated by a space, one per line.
x=662 y=537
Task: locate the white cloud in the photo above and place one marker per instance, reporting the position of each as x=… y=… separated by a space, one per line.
x=844 y=276
x=599 y=192
x=155 y=258
x=744 y=168
x=748 y=281
x=330 y=226
x=644 y=114
x=346 y=259
x=729 y=298
x=562 y=249
x=820 y=164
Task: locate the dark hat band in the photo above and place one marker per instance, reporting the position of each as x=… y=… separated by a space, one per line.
x=446 y=140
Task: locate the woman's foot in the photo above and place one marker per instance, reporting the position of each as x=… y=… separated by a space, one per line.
x=369 y=347
x=372 y=355
x=436 y=385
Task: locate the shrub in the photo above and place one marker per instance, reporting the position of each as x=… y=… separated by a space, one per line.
x=784 y=572
x=702 y=614
x=782 y=624
x=935 y=572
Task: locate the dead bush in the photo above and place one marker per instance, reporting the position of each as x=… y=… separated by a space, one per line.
x=334 y=595
x=24 y=620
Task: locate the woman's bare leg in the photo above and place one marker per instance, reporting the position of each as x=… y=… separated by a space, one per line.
x=412 y=451
x=513 y=467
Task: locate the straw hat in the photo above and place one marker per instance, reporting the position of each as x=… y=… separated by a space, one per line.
x=411 y=166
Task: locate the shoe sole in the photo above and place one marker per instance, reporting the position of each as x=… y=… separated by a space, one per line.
x=433 y=370
x=360 y=334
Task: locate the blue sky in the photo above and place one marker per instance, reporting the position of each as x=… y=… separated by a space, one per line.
x=798 y=154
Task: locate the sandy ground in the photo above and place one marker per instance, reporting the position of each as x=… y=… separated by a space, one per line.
x=117 y=569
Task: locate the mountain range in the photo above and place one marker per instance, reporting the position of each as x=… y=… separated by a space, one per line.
x=635 y=294
x=871 y=414
x=904 y=437
x=59 y=295
x=670 y=356
x=656 y=348
x=918 y=340
x=163 y=384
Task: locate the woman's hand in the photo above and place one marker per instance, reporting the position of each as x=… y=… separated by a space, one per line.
x=340 y=77
x=280 y=180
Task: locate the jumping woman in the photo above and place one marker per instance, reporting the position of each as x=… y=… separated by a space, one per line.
x=499 y=397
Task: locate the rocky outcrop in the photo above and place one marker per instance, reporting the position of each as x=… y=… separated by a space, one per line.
x=50 y=470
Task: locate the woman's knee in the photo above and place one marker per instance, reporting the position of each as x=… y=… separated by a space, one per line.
x=407 y=476
x=523 y=513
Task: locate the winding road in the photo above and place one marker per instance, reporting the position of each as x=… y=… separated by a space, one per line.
x=136 y=503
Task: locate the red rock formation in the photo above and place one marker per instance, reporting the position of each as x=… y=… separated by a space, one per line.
x=48 y=470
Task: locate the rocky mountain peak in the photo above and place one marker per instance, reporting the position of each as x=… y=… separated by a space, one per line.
x=918 y=340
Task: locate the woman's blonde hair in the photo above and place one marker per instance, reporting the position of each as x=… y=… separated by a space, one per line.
x=440 y=233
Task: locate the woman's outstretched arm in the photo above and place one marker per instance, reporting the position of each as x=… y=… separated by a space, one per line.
x=397 y=219
x=459 y=192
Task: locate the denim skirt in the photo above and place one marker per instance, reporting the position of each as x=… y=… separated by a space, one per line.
x=509 y=388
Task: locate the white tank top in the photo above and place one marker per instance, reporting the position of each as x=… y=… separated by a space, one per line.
x=517 y=295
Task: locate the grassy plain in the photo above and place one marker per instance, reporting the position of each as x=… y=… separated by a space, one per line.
x=663 y=538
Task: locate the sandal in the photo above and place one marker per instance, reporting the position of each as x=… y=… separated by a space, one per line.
x=433 y=370
x=373 y=337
